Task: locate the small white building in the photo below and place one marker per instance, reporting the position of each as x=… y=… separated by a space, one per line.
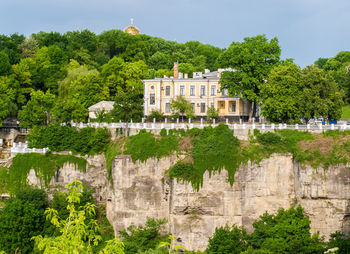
x=102 y=105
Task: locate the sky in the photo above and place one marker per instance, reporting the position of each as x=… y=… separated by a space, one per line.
x=306 y=29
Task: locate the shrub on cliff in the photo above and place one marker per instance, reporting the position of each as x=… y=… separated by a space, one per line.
x=145 y=145
x=228 y=240
x=63 y=138
x=143 y=238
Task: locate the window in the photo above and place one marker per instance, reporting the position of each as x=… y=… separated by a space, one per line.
x=182 y=90
x=194 y=107
x=202 y=107
x=233 y=106
x=202 y=90
x=213 y=90
x=167 y=107
x=192 y=90
x=152 y=99
x=167 y=91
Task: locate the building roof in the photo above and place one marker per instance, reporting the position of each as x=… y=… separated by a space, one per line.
x=107 y=105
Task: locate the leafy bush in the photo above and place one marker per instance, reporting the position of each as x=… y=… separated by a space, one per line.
x=228 y=240
x=21 y=219
x=63 y=138
x=144 y=145
x=269 y=138
x=159 y=116
x=143 y=238
x=340 y=240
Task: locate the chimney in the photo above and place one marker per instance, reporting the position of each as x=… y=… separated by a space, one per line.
x=176 y=70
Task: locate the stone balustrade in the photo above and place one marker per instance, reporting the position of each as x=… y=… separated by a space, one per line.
x=188 y=125
x=23 y=148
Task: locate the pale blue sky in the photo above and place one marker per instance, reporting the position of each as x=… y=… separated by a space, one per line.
x=306 y=29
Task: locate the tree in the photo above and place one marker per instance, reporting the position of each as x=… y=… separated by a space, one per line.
x=252 y=60
x=129 y=103
x=341 y=241
x=182 y=106
x=77 y=234
x=212 y=113
x=38 y=109
x=281 y=94
x=5 y=66
x=29 y=47
x=88 y=89
x=21 y=219
x=228 y=240
x=7 y=95
x=320 y=96
x=286 y=232
x=142 y=238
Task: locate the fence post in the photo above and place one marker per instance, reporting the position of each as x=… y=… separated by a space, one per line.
x=213 y=121
x=172 y=126
x=166 y=120
x=272 y=126
x=253 y=125
x=320 y=126
x=297 y=126
x=154 y=120
x=308 y=126
x=177 y=120
x=332 y=126
x=226 y=121
x=189 y=120
x=263 y=126
x=280 y=126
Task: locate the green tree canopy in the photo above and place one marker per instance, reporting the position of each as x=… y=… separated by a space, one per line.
x=252 y=61
x=182 y=106
x=21 y=219
x=38 y=109
x=281 y=94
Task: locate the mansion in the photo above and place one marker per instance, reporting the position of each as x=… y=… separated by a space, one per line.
x=202 y=91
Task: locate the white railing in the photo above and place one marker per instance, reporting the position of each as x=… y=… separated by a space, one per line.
x=235 y=126
x=23 y=148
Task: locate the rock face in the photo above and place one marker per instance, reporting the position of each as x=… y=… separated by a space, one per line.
x=140 y=190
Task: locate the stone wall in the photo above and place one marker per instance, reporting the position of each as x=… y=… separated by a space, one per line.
x=141 y=190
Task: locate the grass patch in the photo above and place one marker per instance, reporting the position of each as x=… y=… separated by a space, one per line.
x=346 y=112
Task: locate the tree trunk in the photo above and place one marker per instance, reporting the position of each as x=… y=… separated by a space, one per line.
x=252 y=112
x=127 y=125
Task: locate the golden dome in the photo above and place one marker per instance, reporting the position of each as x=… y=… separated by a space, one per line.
x=132 y=29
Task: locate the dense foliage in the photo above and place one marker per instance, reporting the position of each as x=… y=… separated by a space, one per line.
x=79 y=232
x=64 y=138
x=144 y=145
x=21 y=219
x=81 y=68
x=139 y=239
x=288 y=231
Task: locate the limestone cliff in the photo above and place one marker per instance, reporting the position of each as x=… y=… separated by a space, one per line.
x=141 y=190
